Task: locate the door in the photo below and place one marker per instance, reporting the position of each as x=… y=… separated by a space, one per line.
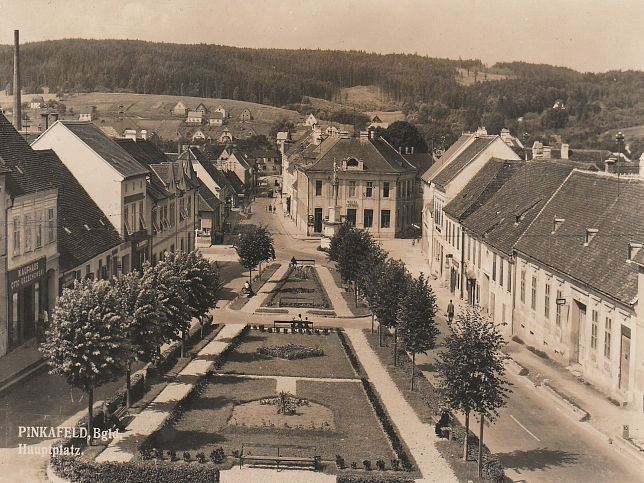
x=485 y=287
x=351 y=216
x=578 y=317
x=317 y=222
x=624 y=359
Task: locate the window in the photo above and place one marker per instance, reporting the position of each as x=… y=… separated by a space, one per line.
x=369 y=190
x=533 y=302
x=352 y=189
x=501 y=271
x=172 y=214
x=494 y=267
x=142 y=225
x=385 y=189
x=50 y=225
x=38 y=229
x=182 y=210
x=318 y=187
x=593 y=330
x=546 y=301
x=28 y=232
x=189 y=207
x=126 y=221
x=458 y=238
x=16 y=236
x=607 y=335
x=368 y=218
x=558 y=310
x=509 y=285
x=522 y=292
x=135 y=221
x=479 y=256
x=385 y=218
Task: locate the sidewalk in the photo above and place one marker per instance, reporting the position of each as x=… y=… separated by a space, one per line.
x=258 y=299
x=419 y=437
x=604 y=415
x=20 y=363
x=160 y=409
x=334 y=292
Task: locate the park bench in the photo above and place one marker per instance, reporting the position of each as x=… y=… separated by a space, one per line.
x=313 y=462
x=293 y=324
x=120 y=417
x=305 y=261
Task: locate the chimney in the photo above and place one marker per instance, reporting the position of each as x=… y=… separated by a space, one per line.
x=564 y=151
x=547 y=152
x=400 y=149
x=610 y=165
x=372 y=133
x=411 y=150
x=17 y=114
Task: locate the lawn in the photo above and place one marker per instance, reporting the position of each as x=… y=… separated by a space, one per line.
x=300 y=287
x=205 y=426
x=245 y=359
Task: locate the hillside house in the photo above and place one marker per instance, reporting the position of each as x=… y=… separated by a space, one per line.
x=202 y=109
x=245 y=115
x=85 y=117
x=226 y=137
x=195 y=118
x=310 y=120
x=217 y=119
x=198 y=136
x=37 y=103
x=179 y=109
x=221 y=111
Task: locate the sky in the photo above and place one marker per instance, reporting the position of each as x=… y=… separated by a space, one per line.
x=586 y=35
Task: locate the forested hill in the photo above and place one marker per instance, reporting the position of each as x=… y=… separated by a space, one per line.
x=268 y=76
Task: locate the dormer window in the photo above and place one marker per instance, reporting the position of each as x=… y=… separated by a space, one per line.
x=633 y=249
x=557 y=224
x=590 y=234
x=352 y=163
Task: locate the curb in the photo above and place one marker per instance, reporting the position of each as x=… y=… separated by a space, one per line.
x=569 y=407
x=625 y=446
x=22 y=374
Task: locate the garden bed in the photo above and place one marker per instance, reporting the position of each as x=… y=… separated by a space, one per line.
x=245 y=359
x=300 y=287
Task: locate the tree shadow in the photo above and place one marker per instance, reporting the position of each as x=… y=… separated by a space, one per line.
x=246 y=357
x=537 y=459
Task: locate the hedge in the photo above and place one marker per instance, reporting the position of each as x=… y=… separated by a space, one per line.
x=350 y=354
x=78 y=470
x=387 y=426
x=372 y=477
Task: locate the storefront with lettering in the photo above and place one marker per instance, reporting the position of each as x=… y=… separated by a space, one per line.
x=28 y=299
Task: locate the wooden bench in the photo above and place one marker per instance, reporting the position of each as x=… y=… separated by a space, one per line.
x=304 y=261
x=120 y=418
x=313 y=462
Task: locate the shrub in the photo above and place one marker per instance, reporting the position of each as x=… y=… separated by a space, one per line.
x=367 y=465
x=217 y=456
x=201 y=457
x=80 y=470
x=395 y=465
x=380 y=464
x=290 y=351
x=371 y=478
x=186 y=456
x=354 y=465
x=347 y=349
x=173 y=455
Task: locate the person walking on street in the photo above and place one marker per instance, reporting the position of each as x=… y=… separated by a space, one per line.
x=450 y=311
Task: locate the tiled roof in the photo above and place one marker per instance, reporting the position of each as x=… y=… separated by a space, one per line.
x=77 y=212
x=216 y=175
x=447 y=155
x=455 y=166
x=505 y=216
x=147 y=154
x=376 y=154
x=106 y=148
x=25 y=174
x=639 y=258
x=234 y=181
x=421 y=161
x=492 y=176
x=591 y=200
x=207 y=199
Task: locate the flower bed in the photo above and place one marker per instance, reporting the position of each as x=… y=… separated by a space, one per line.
x=290 y=351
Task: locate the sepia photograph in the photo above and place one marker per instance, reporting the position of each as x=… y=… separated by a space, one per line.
x=297 y=241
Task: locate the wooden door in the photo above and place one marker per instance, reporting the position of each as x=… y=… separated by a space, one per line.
x=624 y=362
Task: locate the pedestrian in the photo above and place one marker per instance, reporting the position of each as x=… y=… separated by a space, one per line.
x=270 y=208
x=450 y=311
x=443 y=422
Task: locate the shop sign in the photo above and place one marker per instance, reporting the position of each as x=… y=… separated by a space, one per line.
x=352 y=204
x=26 y=275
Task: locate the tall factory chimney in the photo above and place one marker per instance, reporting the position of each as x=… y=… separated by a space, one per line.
x=17 y=115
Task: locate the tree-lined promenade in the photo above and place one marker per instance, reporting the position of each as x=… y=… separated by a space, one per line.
x=100 y=327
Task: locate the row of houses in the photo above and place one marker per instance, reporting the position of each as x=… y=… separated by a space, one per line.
x=79 y=204
x=549 y=246
x=202 y=115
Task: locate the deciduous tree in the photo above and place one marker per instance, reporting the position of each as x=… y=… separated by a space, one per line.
x=416 y=324
x=253 y=247
x=472 y=371
x=85 y=339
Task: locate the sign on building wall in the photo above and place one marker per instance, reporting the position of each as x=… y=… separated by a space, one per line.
x=26 y=275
